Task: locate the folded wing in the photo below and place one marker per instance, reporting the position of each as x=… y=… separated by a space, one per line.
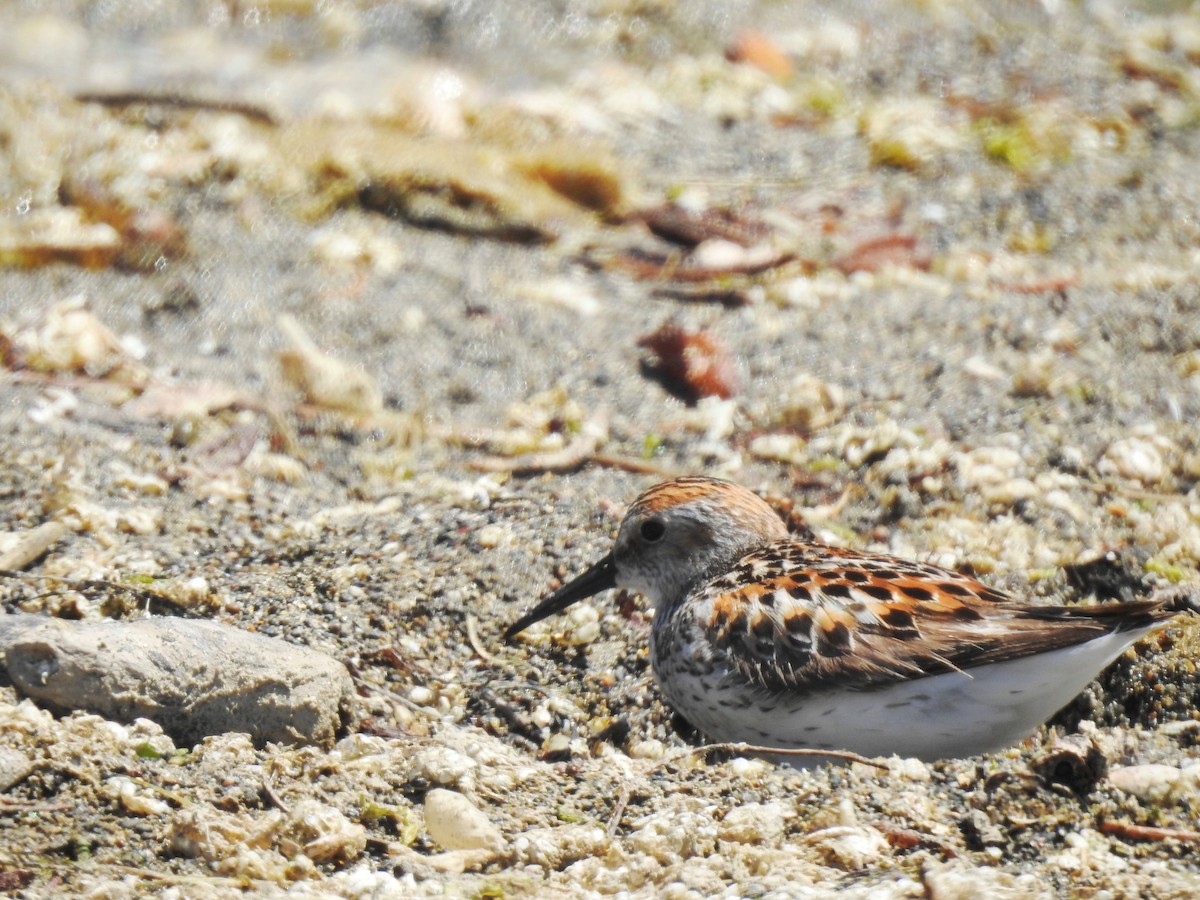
x=791 y=615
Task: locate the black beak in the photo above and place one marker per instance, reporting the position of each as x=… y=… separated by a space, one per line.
x=600 y=577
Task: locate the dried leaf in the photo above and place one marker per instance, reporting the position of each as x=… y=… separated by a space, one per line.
x=873 y=254
x=689 y=364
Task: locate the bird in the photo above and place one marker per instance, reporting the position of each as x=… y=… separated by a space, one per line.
x=764 y=639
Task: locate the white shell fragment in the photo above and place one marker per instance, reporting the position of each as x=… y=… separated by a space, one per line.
x=324 y=380
x=135 y=799
x=324 y=833
x=454 y=823
x=848 y=847
x=756 y=823
x=810 y=404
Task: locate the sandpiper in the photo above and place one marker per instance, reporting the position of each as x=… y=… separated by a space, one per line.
x=761 y=638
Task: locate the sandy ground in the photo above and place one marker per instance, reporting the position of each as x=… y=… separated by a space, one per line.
x=323 y=320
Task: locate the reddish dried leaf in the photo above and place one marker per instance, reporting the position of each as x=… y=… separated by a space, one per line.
x=390 y=656
x=1157 y=68
x=756 y=49
x=871 y=255
x=900 y=838
x=15 y=879
x=227 y=450
x=689 y=364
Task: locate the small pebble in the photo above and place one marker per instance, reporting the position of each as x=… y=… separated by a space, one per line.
x=583 y=625
x=420 y=695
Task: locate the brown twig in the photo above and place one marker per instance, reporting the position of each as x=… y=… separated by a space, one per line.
x=1135 y=493
x=1133 y=832
x=9 y=805
x=1050 y=285
x=169 y=878
x=674 y=268
x=268 y=791
x=729 y=297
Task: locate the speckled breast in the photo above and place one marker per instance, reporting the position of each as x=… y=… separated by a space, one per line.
x=699 y=684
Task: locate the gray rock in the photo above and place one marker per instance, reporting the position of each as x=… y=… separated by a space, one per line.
x=193 y=677
x=13 y=625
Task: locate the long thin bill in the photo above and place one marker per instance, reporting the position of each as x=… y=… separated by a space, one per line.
x=600 y=577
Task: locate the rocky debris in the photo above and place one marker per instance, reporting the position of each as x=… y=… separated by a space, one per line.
x=195 y=678
x=68 y=338
x=956 y=882
x=1073 y=761
x=277 y=845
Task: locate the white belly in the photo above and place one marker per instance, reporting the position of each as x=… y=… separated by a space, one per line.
x=955 y=714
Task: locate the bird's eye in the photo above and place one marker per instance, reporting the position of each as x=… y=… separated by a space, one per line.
x=653 y=530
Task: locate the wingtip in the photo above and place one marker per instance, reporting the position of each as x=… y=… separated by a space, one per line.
x=1127 y=616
